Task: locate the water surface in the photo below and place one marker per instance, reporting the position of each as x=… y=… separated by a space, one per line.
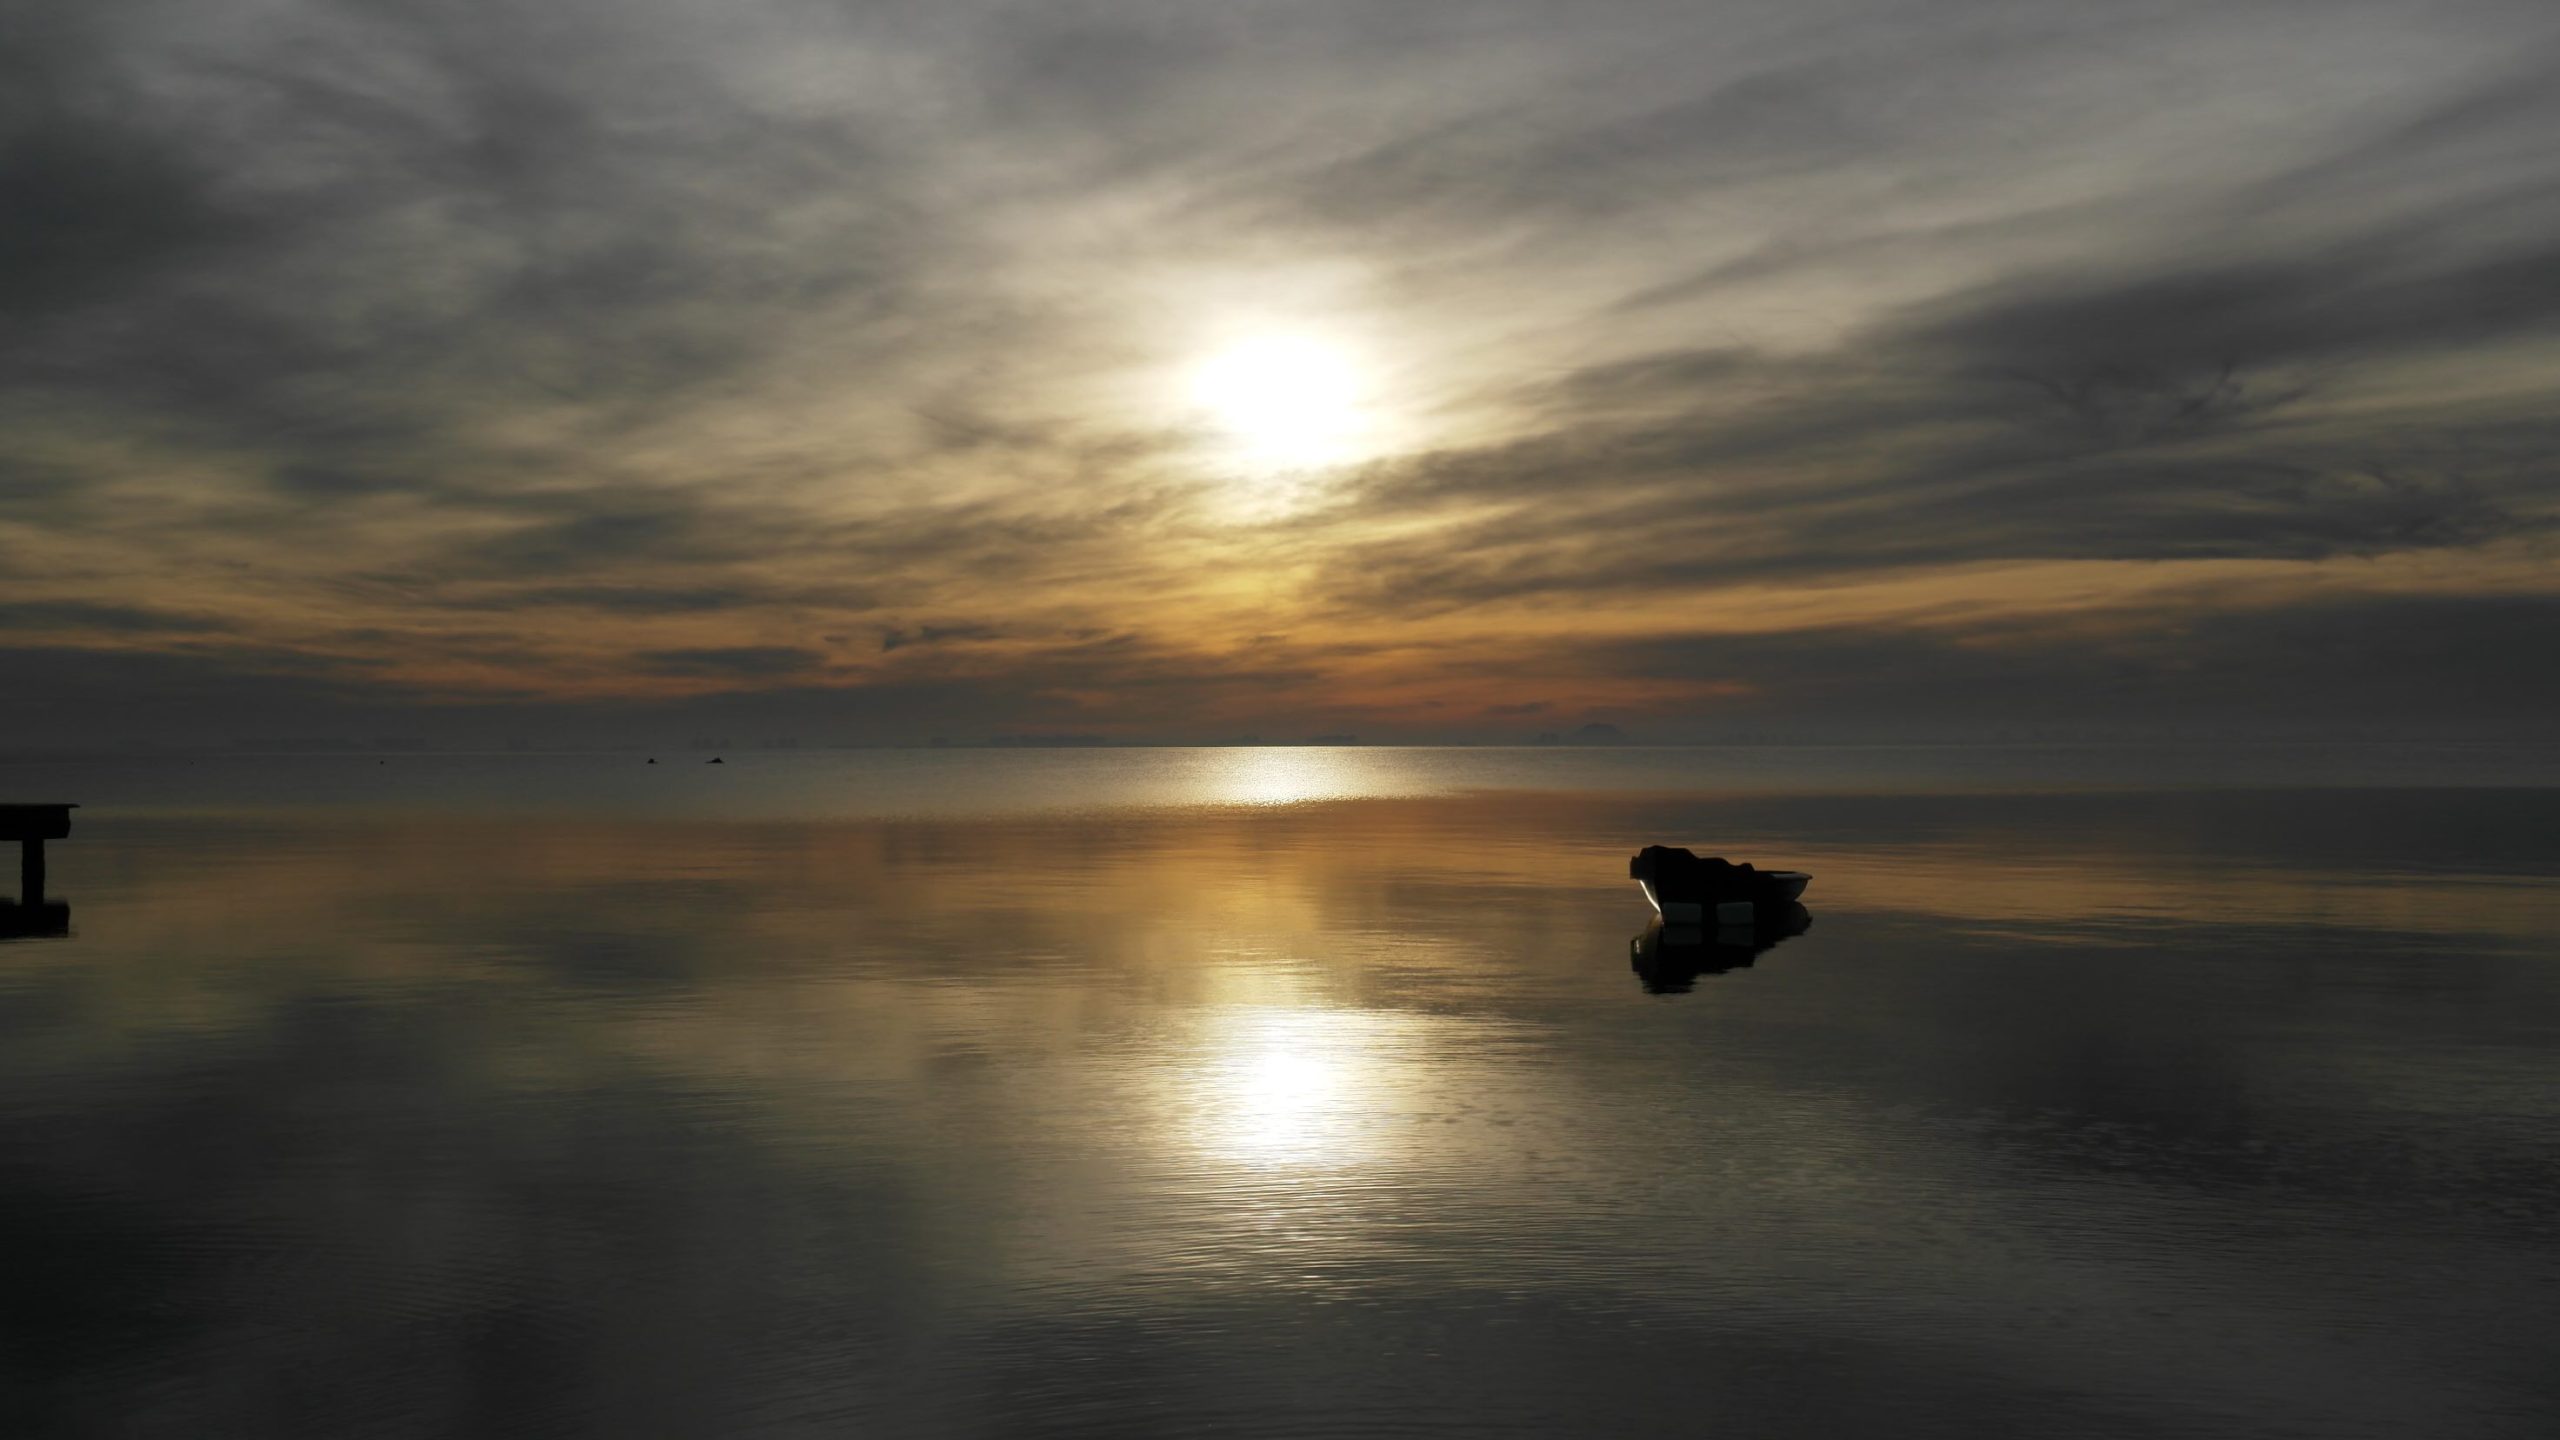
x=1327 y=1102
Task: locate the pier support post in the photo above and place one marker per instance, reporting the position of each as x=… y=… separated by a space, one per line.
x=31 y=826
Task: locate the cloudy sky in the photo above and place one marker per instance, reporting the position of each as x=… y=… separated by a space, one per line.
x=872 y=370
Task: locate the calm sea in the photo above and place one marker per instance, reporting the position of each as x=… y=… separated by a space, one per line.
x=1294 y=1092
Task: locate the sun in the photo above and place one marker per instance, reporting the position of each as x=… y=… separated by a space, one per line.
x=1285 y=401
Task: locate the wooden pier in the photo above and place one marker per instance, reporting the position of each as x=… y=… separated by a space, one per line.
x=31 y=826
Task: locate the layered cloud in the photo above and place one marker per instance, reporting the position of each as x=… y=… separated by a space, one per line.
x=1846 y=368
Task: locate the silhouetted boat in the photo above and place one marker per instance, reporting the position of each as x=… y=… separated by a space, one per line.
x=1684 y=889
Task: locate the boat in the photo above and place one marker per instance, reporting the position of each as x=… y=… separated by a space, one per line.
x=1685 y=889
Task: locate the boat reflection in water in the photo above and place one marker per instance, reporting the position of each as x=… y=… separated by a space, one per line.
x=1670 y=958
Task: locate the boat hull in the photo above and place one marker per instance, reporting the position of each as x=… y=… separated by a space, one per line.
x=1769 y=887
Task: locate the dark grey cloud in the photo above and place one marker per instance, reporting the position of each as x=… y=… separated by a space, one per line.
x=105 y=619
x=2167 y=326
x=99 y=199
x=1637 y=513
x=901 y=639
x=738 y=662
x=2361 y=666
x=2170 y=414
x=624 y=599
x=602 y=529
x=63 y=696
x=341 y=237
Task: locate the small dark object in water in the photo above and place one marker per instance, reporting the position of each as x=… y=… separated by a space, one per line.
x=714 y=760
x=653 y=759
x=1682 y=888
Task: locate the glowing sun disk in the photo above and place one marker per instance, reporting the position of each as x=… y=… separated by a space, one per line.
x=1288 y=400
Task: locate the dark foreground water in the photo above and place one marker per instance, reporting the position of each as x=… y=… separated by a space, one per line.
x=545 y=1096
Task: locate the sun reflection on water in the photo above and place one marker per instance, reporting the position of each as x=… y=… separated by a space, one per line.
x=1290 y=775
x=1296 y=1087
